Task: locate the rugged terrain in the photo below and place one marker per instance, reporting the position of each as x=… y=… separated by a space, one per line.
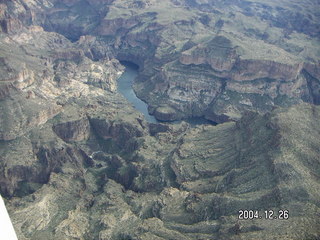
x=77 y=161
x=218 y=59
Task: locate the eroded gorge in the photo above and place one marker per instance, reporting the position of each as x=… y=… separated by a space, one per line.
x=79 y=161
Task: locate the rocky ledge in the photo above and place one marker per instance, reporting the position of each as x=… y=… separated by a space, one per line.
x=78 y=162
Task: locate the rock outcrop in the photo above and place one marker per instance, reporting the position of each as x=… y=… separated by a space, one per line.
x=77 y=161
x=214 y=55
x=189 y=187
x=78 y=130
x=218 y=53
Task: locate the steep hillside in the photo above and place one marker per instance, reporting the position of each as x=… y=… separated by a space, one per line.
x=215 y=59
x=77 y=161
x=179 y=184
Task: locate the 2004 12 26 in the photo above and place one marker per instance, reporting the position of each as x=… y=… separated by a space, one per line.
x=266 y=214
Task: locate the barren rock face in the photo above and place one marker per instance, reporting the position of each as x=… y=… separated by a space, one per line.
x=227 y=48
x=218 y=53
x=73 y=131
x=77 y=161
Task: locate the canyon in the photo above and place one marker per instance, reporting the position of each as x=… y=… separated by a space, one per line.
x=80 y=160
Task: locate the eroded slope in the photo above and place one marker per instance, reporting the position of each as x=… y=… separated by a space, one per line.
x=78 y=162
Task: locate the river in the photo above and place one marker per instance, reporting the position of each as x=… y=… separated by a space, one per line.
x=125 y=88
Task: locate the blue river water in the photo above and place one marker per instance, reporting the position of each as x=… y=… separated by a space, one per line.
x=125 y=88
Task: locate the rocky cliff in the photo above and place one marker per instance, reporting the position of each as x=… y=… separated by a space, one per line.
x=231 y=53
x=247 y=52
x=180 y=183
x=77 y=161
